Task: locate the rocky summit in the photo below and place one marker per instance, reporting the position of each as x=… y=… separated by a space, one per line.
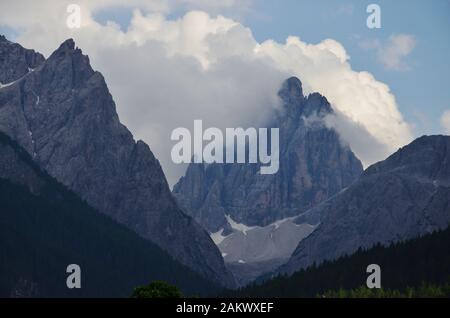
x=16 y=61
x=61 y=112
x=314 y=165
x=253 y=217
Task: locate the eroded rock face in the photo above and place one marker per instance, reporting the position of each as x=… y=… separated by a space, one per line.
x=62 y=113
x=16 y=61
x=314 y=165
x=402 y=197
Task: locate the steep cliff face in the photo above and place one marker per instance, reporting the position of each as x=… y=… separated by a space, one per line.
x=402 y=197
x=62 y=113
x=314 y=165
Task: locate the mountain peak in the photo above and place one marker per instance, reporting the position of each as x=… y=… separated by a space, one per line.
x=318 y=104
x=71 y=63
x=16 y=61
x=427 y=156
x=68 y=44
x=291 y=89
x=206 y=195
x=64 y=110
x=4 y=40
x=66 y=47
x=296 y=104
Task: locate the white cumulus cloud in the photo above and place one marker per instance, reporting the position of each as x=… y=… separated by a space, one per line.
x=392 y=53
x=164 y=73
x=398 y=47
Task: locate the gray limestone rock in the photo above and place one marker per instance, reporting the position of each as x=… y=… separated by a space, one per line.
x=402 y=197
x=62 y=113
x=314 y=165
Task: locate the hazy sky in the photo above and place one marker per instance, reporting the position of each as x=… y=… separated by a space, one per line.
x=166 y=64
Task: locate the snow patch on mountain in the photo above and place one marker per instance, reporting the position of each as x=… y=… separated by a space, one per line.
x=7 y=84
x=251 y=251
x=250 y=244
x=217 y=238
x=239 y=226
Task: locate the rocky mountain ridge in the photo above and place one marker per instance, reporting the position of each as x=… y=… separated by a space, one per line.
x=314 y=165
x=62 y=113
x=403 y=197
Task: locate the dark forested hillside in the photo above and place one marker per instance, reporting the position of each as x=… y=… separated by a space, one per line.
x=43 y=232
x=404 y=264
